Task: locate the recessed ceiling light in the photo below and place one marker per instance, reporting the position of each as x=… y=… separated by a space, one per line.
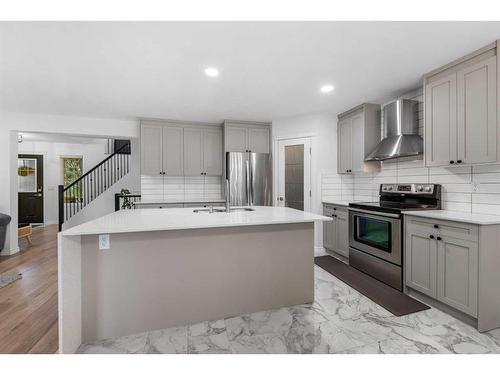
x=326 y=89
x=211 y=72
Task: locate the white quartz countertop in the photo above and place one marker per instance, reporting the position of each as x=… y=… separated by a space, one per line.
x=184 y=218
x=177 y=201
x=464 y=217
x=337 y=202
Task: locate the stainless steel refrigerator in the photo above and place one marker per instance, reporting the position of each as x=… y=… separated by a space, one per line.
x=250 y=178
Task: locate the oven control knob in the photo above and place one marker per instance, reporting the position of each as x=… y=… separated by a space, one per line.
x=389 y=188
x=420 y=188
x=428 y=189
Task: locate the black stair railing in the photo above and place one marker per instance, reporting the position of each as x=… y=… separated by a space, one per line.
x=74 y=197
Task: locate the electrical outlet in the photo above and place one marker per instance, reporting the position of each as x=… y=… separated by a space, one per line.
x=104 y=242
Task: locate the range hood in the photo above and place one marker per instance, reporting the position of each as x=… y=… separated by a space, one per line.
x=400 y=132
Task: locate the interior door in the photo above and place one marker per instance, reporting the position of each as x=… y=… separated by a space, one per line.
x=30 y=188
x=294 y=173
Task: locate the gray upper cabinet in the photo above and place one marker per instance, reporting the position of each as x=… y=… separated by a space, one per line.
x=173 y=161
x=247 y=137
x=358 y=133
x=440 y=121
x=151 y=149
x=193 y=152
x=212 y=152
x=461 y=104
x=178 y=149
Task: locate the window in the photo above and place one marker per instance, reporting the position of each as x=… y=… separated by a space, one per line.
x=26 y=175
x=72 y=170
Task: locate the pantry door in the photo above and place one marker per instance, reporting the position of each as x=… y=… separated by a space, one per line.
x=294 y=173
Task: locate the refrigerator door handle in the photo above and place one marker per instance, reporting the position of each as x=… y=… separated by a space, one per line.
x=248 y=181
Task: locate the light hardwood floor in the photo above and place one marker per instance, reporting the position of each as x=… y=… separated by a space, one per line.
x=28 y=307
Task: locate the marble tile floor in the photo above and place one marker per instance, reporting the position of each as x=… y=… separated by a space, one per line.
x=341 y=320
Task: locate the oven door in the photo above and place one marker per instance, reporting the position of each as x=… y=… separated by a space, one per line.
x=376 y=233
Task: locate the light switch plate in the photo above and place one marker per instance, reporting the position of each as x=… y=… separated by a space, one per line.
x=104 y=241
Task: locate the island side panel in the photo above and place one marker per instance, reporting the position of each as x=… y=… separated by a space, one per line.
x=69 y=277
x=489 y=278
x=154 y=280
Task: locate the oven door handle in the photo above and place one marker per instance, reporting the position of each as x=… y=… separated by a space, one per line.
x=376 y=213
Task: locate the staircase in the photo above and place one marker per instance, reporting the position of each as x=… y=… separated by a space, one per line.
x=76 y=196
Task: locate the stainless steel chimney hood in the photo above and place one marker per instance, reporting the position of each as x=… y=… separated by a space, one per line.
x=400 y=132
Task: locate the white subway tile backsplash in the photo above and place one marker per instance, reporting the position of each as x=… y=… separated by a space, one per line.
x=181 y=187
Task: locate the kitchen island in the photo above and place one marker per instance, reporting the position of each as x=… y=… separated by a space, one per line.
x=166 y=268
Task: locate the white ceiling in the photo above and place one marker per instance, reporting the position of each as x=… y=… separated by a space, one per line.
x=268 y=70
x=60 y=138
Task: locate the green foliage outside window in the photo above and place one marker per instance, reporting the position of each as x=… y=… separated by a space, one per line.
x=72 y=171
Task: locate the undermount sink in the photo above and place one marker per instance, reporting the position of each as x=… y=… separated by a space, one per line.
x=207 y=210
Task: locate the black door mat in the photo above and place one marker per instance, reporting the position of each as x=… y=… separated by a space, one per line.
x=389 y=298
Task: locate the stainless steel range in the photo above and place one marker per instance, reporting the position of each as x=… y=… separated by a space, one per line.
x=376 y=233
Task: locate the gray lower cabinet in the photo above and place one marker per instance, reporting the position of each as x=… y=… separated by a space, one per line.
x=336 y=232
x=443 y=266
x=457 y=274
x=421 y=263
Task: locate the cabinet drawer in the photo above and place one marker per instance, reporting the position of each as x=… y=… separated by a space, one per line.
x=443 y=228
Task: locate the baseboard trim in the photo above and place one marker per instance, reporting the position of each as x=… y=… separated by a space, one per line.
x=319 y=251
x=6 y=252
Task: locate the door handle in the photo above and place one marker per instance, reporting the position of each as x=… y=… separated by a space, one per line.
x=280 y=199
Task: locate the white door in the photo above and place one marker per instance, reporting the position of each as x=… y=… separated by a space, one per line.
x=294 y=173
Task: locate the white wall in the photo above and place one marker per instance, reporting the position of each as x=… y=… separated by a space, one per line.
x=323 y=132
x=11 y=123
x=91 y=153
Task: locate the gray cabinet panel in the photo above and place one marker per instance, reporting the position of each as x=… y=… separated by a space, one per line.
x=235 y=139
x=440 y=121
x=328 y=230
x=173 y=151
x=421 y=262
x=151 y=150
x=344 y=146
x=458 y=274
x=342 y=233
x=357 y=143
x=476 y=116
x=193 y=152
x=212 y=152
x=258 y=139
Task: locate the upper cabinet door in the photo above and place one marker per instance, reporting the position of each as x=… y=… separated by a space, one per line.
x=344 y=146
x=441 y=121
x=151 y=150
x=193 y=152
x=173 y=151
x=236 y=139
x=258 y=139
x=477 y=112
x=212 y=152
x=357 y=142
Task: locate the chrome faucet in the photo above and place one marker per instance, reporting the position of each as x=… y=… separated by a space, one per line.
x=228 y=206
